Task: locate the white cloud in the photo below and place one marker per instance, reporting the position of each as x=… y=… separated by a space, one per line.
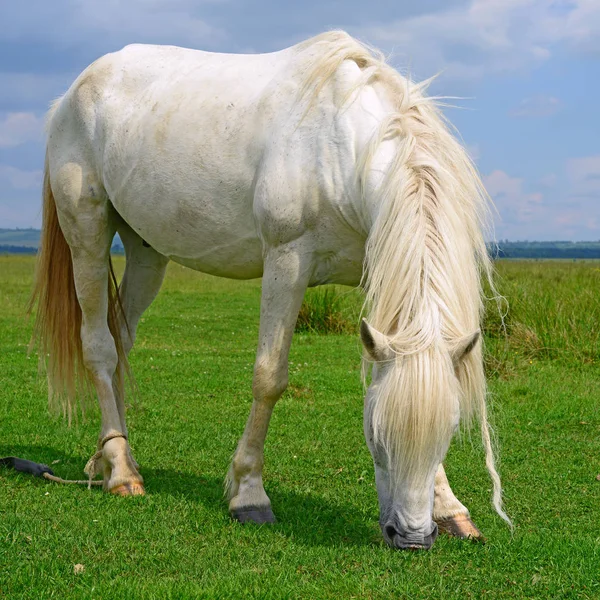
x=510 y=198
x=23 y=91
x=530 y=215
x=110 y=22
x=20 y=127
x=577 y=24
x=520 y=211
x=489 y=36
x=19 y=197
x=140 y=20
x=580 y=222
x=584 y=175
x=537 y=106
x=17 y=214
x=19 y=179
x=548 y=181
x=467 y=42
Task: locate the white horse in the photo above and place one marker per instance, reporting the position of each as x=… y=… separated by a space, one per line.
x=316 y=164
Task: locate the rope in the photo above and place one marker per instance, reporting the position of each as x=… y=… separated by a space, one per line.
x=92 y=468
x=78 y=481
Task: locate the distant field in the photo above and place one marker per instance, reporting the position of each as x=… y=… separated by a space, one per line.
x=193 y=362
x=25 y=241
x=19 y=238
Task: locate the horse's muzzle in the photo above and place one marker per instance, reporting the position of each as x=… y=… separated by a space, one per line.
x=402 y=541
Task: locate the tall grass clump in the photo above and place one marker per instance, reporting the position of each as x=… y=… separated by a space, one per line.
x=326 y=310
x=552 y=311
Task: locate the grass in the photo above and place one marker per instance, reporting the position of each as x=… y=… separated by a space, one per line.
x=555 y=312
x=329 y=309
x=193 y=362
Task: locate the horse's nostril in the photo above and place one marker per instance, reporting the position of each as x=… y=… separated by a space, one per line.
x=390 y=532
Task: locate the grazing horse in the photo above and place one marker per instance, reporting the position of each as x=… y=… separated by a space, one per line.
x=316 y=164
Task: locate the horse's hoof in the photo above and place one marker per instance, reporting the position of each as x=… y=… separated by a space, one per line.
x=253 y=514
x=135 y=488
x=461 y=526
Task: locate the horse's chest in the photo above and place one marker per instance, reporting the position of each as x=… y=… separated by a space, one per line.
x=342 y=265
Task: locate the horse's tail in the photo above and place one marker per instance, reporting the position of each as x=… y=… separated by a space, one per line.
x=57 y=328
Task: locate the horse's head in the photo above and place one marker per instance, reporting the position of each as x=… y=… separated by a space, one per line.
x=412 y=409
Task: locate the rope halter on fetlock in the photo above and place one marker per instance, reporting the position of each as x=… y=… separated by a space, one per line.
x=94 y=465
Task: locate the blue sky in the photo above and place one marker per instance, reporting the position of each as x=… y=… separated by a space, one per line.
x=528 y=72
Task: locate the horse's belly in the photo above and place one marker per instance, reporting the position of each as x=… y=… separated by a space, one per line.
x=241 y=261
x=217 y=252
x=213 y=233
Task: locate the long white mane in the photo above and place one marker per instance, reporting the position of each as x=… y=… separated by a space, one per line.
x=425 y=258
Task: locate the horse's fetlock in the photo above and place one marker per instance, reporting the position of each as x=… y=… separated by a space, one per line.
x=244 y=465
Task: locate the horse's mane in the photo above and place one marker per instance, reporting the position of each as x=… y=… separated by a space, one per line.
x=424 y=260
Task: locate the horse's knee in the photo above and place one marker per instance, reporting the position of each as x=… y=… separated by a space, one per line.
x=270 y=380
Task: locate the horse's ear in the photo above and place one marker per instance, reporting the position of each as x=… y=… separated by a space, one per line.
x=375 y=342
x=464 y=346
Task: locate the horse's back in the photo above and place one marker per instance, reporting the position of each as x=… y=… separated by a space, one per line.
x=183 y=139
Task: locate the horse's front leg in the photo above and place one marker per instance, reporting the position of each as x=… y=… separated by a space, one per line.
x=451 y=515
x=285 y=278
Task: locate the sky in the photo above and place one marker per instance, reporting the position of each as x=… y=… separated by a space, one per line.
x=524 y=76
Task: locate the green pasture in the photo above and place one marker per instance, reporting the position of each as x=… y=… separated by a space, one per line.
x=193 y=364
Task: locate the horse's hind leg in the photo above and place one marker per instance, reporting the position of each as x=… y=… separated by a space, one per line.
x=88 y=223
x=144 y=273
x=451 y=515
